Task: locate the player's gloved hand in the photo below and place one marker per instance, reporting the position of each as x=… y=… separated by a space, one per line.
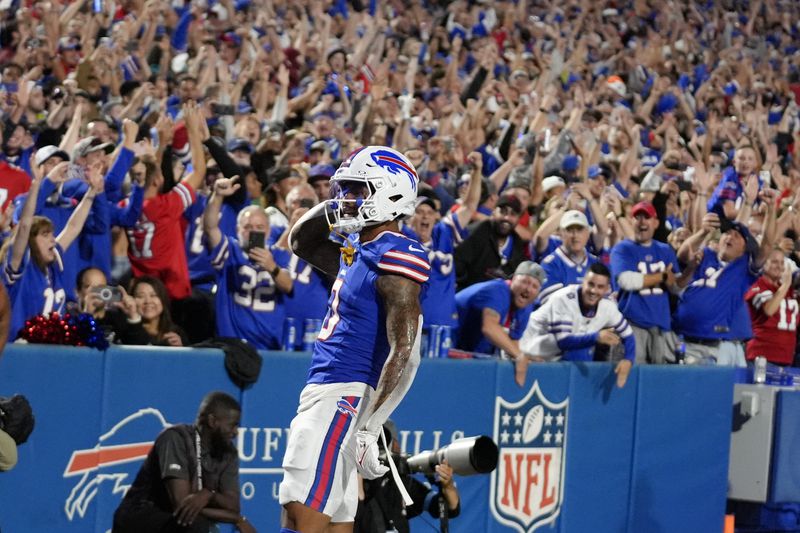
x=367 y=462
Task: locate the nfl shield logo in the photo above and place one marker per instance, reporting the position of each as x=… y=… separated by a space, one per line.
x=528 y=483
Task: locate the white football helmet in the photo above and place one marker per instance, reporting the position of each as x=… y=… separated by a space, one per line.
x=382 y=185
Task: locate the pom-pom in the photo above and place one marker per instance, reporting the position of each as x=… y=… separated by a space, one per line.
x=77 y=330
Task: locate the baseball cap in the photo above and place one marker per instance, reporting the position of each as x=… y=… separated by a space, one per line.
x=520 y=178
x=573 y=218
x=534 y=270
x=594 y=171
x=46 y=152
x=320 y=172
x=318 y=145
x=750 y=244
x=616 y=84
x=570 y=163
x=88 y=145
x=646 y=208
x=551 y=182
x=509 y=200
x=238 y=143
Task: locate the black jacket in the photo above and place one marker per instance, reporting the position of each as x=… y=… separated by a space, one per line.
x=478 y=257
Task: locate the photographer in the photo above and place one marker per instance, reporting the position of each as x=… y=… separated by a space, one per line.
x=114 y=309
x=380 y=505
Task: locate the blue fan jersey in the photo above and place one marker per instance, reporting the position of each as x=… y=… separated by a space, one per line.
x=471 y=301
x=439 y=303
x=713 y=306
x=309 y=296
x=353 y=345
x=248 y=304
x=562 y=271
x=646 y=307
x=33 y=292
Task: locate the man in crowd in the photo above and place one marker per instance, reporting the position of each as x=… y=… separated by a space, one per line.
x=569 y=263
x=156 y=243
x=250 y=277
x=493 y=249
x=575 y=320
x=190 y=478
x=493 y=314
x=712 y=315
x=645 y=272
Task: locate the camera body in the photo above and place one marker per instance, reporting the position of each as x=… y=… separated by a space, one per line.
x=108 y=294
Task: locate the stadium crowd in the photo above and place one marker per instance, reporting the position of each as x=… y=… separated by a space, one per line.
x=156 y=154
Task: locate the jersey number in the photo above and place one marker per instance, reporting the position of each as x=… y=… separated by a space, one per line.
x=788 y=316
x=251 y=293
x=146 y=251
x=332 y=318
x=303 y=276
x=53 y=300
x=651 y=268
x=196 y=245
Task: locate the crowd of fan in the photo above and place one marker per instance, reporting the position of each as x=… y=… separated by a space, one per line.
x=148 y=144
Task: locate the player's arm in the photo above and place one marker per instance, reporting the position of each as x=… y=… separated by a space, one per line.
x=308 y=239
x=403 y=328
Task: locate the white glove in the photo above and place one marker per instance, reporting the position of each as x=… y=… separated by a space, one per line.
x=367 y=452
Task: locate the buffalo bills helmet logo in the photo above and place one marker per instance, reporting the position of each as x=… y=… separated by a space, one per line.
x=393 y=164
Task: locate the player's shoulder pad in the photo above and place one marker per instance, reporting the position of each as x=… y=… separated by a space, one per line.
x=399 y=255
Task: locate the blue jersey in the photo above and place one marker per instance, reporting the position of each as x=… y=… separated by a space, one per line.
x=439 y=302
x=493 y=294
x=248 y=304
x=562 y=271
x=646 y=307
x=309 y=296
x=201 y=273
x=711 y=306
x=33 y=292
x=353 y=346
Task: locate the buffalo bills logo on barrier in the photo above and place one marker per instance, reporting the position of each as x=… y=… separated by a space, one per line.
x=114 y=459
x=528 y=485
x=389 y=161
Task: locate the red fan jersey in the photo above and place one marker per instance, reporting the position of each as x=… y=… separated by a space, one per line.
x=13 y=182
x=773 y=336
x=156 y=244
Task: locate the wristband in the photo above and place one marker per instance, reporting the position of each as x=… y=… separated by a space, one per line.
x=275 y=271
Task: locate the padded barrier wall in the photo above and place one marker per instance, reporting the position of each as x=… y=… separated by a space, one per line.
x=576 y=453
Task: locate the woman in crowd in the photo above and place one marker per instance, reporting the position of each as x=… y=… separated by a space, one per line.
x=152 y=304
x=34 y=269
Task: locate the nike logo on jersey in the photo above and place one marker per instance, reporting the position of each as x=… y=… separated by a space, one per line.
x=411 y=247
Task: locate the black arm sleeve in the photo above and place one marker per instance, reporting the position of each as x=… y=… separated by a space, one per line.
x=226 y=164
x=471 y=90
x=166 y=170
x=660 y=203
x=505 y=143
x=229 y=169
